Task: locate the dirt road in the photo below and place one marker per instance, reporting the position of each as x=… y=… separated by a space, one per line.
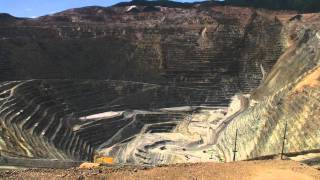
x=251 y=170
x=244 y=105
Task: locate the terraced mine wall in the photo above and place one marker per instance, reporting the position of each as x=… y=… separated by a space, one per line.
x=289 y=95
x=48 y=118
x=173 y=71
x=227 y=50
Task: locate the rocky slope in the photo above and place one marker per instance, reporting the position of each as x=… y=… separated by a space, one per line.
x=289 y=94
x=174 y=70
x=222 y=49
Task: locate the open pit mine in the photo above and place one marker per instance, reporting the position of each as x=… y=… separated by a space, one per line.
x=150 y=85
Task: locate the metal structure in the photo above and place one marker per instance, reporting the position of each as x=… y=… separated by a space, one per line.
x=235 y=146
x=284 y=139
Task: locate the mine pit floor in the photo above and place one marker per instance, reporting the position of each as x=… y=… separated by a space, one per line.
x=256 y=170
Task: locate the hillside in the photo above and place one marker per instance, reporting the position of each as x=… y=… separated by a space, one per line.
x=215 y=48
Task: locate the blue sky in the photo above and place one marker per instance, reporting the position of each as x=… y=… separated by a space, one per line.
x=34 y=8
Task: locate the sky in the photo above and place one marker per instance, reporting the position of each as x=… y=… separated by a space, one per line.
x=35 y=8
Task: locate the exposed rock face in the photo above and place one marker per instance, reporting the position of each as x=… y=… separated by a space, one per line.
x=216 y=48
x=288 y=95
x=175 y=71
